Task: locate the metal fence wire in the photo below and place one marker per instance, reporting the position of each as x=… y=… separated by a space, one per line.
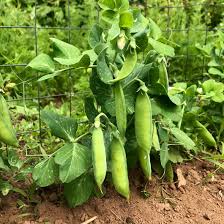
x=164 y=12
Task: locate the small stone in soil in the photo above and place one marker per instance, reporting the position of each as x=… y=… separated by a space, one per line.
x=130 y=220
x=84 y=217
x=206 y=216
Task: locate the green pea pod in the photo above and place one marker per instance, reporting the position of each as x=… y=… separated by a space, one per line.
x=205 y=134
x=99 y=156
x=155 y=138
x=143 y=121
x=127 y=68
x=169 y=172
x=119 y=168
x=120 y=109
x=163 y=75
x=145 y=163
x=7 y=133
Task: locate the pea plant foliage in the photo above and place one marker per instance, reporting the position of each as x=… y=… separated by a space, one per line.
x=134 y=118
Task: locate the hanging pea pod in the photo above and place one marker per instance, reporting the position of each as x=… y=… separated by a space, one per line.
x=169 y=172
x=128 y=66
x=119 y=168
x=7 y=133
x=143 y=120
x=155 y=138
x=163 y=75
x=205 y=134
x=145 y=163
x=120 y=109
x=99 y=154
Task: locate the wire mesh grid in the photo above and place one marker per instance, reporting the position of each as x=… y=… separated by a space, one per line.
x=160 y=10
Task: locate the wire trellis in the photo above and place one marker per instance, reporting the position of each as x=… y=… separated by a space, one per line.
x=69 y=27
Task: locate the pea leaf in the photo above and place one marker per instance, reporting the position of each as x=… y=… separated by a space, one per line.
x=90 y=110
x=45 y=173
x=155 y=31
x=66 y=54
x=164 y=155
x=61 y=126
x=214 y=90
x=106 y=4
x=122 y=5
x=2 y=164
x=215 y=71
x=140 y=22
x=14 y=159
x=163 y=106
x=42 y=63
x=182 y=138
x=175 y=156
x=126 y=20
x=79 y=191
x=95 y=36
x=102 y=92
x=73 y=159
x=103 y=70
x=114 y=31
x=161 y=48
x=110 y=16
x=48 y=76
x=5 y=187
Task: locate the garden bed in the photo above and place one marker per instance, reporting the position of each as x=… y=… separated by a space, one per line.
x=200 y=201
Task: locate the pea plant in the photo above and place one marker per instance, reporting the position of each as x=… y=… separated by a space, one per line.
x=134 y=119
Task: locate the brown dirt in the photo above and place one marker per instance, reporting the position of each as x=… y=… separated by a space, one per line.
x=200 y=201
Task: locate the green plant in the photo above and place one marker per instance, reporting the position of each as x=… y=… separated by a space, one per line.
x=128 y=64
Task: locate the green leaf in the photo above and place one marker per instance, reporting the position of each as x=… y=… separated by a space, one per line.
x=73 y=159
x=214 y=90
x=114 y=31
x=45 y=173
x=155 y=31
x=141 y=42
x=140 y=22
x=161 y=48
x=42 y=63
x=2 y=165
x=5 y=187
x=205 y=50
x=14 y=159
x=122 y=5
x=90 y=110
x=213 y=63
x=103 y=70
x=95 y=36
x=164 y=155
x=163 y=106
x=79 y=191
x=110 y=16
x=92 y=55
x=183 y=138
x=106 y=4
x=126 y=20
x=66 y=54
x=215 y=71
x=61 y=126
x=48 y=76
x=175 y=156
x=103 y=93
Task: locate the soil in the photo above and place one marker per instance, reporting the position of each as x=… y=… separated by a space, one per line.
x=199 y=200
